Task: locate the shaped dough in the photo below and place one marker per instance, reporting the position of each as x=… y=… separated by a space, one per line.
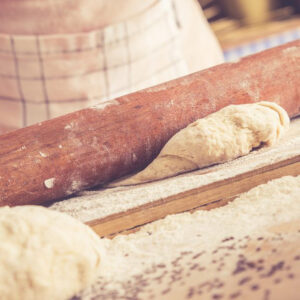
x=222 y=136
x=45 y=254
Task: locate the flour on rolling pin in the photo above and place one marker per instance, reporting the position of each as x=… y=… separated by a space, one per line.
x=91 y=205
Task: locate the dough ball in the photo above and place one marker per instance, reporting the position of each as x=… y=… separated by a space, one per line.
x=222 y=136
x=45 y=254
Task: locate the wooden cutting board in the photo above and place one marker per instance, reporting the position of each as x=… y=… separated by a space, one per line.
x=114 y=210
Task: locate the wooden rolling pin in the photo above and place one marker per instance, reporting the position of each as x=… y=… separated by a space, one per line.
x=59 y=157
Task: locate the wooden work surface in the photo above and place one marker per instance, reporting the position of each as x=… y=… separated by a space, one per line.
x=110 y=211
x=263 y=265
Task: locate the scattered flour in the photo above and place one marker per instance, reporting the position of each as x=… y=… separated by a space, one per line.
x=160 y=241
x=42 y=154
x=103 y=105
x=49 y=183
x=225 y=245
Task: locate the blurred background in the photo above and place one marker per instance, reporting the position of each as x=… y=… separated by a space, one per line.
x=245 y=27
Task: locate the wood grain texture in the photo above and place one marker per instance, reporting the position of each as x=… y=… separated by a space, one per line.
x=56 y=158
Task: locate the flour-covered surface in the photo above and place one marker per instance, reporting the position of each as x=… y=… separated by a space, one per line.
x=100 y=203
x=248 y=249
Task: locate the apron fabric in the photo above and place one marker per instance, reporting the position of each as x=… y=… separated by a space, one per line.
x=44 y=76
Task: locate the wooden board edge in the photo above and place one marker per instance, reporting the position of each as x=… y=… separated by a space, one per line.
x=217 y=192
x=208 y=206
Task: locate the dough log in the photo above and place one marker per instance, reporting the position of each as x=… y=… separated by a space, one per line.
x=222 y=136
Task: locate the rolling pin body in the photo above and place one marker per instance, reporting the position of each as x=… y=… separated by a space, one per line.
x=59 y=157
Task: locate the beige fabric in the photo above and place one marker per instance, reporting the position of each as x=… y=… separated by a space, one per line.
x=46 y=75
x=66 y=16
